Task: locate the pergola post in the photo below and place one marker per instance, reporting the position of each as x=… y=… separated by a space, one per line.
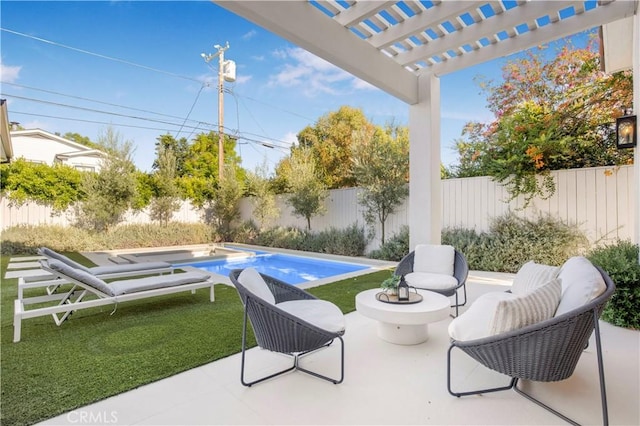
x=636 y=111
x=425 y=208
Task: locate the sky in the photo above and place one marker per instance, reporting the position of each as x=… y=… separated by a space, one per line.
x=136 y=66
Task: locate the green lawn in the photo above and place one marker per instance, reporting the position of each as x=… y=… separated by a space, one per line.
x=101 y=352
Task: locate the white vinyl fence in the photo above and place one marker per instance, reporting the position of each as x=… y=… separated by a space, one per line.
x=600 y=200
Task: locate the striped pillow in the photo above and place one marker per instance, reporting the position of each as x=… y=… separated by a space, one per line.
x=538 y=305
x=532 y=275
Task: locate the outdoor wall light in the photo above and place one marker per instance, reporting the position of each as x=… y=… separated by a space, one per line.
x=626 y=131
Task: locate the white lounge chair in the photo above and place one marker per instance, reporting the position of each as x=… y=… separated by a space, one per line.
x=84 y=284
x=104 y=272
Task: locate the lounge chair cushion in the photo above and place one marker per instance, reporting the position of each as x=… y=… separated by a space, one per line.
x=581 y=283
x=253 y=281
x=62 y=258
x=80 y=275
x=499 y=312
x=155 y=282
x=432 y=281
x=531 y=276
x=104 y=270
x=436 y=259
x=321 y=313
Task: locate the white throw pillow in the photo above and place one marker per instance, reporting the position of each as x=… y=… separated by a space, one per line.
x=253 y=281
x=475 y=322
x=531 y=276
x=531 y=308
x=320 y=313
x=581 y=283
x=437 y=259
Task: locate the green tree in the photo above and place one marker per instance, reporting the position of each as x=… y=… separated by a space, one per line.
x=550 y=115
x=83 y=140
x=225 y=205
x=381 y=166
x=58 y=186
x=330 y=141
x=262 y=195
x=307 y=192
x=166 y=201
x=180 y=149
x=111 y=191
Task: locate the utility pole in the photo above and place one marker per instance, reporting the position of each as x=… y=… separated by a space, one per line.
x=221 y=78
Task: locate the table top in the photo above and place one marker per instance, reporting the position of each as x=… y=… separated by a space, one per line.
x=433 y=307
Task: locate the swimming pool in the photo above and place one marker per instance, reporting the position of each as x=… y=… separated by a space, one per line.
x=288 y=268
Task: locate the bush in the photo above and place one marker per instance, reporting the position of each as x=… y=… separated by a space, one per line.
x=26 y=239
x=620 y=261
x=395 y=248
x=512 y=241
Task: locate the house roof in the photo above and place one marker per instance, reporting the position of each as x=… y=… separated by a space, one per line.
x=390 y=44
x=6 y=149
x=39 y=133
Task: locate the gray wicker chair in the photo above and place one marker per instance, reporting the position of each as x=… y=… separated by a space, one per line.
x=460 y=272
x=279 y=331
x=547 y=351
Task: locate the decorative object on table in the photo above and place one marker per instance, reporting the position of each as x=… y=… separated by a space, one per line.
x=403 y=290
x=414 y=297
x=390 y=285
x=626 y=130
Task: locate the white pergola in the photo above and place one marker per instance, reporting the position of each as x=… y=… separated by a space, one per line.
x=403 y=47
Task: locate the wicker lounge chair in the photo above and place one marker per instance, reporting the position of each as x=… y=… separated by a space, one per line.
x=460 y=273
x=84 y=285
x=546 y=351
x=287 y=320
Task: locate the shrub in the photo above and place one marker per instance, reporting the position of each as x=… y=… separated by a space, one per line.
x=26 y=239
x=620 y=261
x=395 y=248
x=512 y=241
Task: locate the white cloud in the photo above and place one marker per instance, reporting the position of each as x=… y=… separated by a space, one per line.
x=8 y=73
x=311 y=74
x=290 y=138
x=363 y=85
x=241 y=79
x=249 y=35
x=258 y=58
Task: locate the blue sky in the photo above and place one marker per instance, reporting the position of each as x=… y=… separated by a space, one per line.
x=157 y=80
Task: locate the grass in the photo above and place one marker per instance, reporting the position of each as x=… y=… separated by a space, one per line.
x=100 y=352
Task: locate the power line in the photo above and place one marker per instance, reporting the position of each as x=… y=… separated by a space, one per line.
x=86 y=52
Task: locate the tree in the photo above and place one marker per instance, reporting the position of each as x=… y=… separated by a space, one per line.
x=263 y=197
x=83 y=140
x=166 y=200
x=225 y=205
x=111 y=191
x=330 y=142
x=550 y=115
x=180 y=149
x=381 y=167
x=307 y=192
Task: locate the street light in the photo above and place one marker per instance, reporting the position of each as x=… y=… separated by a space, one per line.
x=226 y=72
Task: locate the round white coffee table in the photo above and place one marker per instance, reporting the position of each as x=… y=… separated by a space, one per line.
x=404 y=324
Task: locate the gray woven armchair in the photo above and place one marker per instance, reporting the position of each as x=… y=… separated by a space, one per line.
x=280 y=329
x=545 y=352
x=460 y=272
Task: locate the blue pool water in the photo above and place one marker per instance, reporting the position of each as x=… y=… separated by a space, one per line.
x=287 y=268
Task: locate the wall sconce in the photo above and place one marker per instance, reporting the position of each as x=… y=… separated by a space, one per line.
x=626 y=131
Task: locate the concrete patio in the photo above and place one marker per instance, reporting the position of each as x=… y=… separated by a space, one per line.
x=384 y=384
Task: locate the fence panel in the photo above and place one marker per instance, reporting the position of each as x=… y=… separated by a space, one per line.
x=600 y=200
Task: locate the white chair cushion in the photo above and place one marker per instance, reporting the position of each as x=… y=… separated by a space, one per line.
x=533 y=307
x=581 y=283
x=253 y=281
x=531 y=276
x=322 y=314
x=475 y=322
x=427 y=280
x=437 y=259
